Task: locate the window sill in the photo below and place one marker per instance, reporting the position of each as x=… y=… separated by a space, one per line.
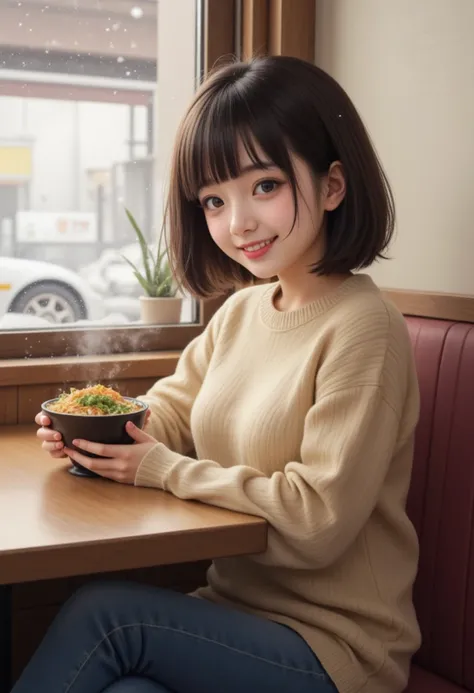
x=40 y=371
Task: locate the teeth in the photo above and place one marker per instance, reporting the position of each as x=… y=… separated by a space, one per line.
x=257 y=246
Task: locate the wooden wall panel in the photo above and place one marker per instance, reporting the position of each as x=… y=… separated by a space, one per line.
x=65 y=370
x=36 y=604
x=292 y=28
x=20 y=404
x=254 y=28
x=219 y=32
x=184 y=576
x=30 y=397
x=133 y=387
x=432 y=305
x=278 y=27
x=8 y=405
x=28 y=628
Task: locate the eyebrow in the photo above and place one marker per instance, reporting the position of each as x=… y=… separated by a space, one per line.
x=258 y=166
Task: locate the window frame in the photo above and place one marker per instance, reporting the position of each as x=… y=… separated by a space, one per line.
x=73 y=342
x=216 y=21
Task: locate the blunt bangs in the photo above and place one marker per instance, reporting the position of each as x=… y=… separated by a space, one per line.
x=214 y=131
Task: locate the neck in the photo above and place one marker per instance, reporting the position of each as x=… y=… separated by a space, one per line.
x=296 y=292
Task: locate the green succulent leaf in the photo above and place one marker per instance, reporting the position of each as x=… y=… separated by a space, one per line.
x=157 y=280
x=146 y=254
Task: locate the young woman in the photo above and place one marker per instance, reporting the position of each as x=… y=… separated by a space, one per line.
x=300 y=399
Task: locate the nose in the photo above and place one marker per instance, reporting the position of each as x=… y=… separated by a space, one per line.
x=242 y=221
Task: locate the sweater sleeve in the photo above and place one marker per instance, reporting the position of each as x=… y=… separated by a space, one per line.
x=171 y=399
x=317 y=505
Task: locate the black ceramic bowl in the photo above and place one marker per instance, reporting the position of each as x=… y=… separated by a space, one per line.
x=109 y=429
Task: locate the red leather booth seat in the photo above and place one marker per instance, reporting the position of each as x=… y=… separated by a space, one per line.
x=421 y=681
x=441 y=505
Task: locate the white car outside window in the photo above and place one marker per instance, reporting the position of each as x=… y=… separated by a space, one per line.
x=46 y=291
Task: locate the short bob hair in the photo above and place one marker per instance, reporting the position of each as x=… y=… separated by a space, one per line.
x=284 y=105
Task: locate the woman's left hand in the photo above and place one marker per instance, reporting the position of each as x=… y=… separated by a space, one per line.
x=117 y=462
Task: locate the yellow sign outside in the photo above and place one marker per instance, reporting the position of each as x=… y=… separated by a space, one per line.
x=15 y=162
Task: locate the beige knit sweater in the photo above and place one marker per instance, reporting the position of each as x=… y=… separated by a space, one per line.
x=305 y=418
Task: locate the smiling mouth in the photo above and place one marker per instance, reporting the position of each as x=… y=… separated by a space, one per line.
x=257 y=246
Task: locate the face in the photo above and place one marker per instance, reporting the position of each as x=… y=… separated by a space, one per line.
x=251 y=218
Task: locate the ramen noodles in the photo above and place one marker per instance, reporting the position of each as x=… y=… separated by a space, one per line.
x=97 y=400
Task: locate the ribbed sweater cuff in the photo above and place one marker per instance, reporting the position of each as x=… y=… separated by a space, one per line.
x=155 y=467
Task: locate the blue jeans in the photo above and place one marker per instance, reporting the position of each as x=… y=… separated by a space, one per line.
x=130 y=638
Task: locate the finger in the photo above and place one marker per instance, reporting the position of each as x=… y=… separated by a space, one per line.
x=58 y=454
x=138 y=435
x=48 y=434
x=51 y=447
x=103 y=450
x=42 y=420
x=109 y=468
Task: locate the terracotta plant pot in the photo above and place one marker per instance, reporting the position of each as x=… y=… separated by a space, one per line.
x=160 y=311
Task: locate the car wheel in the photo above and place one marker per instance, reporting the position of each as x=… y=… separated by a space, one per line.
x=54 y=302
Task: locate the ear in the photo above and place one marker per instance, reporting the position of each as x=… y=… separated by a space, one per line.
x=335 y=188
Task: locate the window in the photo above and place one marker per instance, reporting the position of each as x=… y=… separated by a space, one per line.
x=86 y=128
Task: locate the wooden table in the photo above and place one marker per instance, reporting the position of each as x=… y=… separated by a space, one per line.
x=55 y=525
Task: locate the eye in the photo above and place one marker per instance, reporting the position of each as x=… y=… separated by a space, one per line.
x=266 y=186
x=212 y=203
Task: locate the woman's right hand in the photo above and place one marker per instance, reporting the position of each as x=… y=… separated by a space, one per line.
x=51 y=440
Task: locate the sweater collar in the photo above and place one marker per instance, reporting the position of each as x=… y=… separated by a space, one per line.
x=289 y=320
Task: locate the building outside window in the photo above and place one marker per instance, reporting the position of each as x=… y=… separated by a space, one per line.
x=90 y=96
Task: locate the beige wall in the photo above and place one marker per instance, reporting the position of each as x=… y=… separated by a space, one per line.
x=409 y=67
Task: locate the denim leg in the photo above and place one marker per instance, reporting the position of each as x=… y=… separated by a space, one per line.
x=110 y=631
x=132 y=684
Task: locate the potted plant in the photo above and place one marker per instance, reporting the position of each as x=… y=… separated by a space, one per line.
x=160 y=305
